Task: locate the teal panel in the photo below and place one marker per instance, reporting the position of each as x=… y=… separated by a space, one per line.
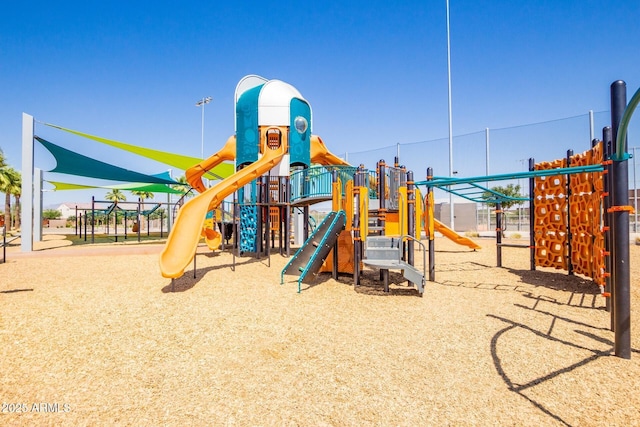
x=248 y=228
x=299 y=143
x=247 y=136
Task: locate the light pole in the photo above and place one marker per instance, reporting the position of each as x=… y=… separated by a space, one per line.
x=202 y=103
x=451 y=213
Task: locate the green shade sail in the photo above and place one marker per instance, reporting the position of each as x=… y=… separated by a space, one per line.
x=152 y=188
x=178 y=161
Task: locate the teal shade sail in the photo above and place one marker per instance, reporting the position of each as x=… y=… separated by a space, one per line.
x=178 y=161
x=71 y=163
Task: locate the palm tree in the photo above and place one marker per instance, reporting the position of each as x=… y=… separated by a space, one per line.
x=16 y=190
x=4 y=179
x=115 y=195
x=185 y=188
x=142 y=195
x=10 y=182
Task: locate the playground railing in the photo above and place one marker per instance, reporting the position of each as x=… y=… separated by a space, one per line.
x=316 y=182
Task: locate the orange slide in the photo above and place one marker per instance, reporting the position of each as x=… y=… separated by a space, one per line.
x=194 y=173
x=452 y=235
x=321 y=155
x=194 y=177
x=183 y=240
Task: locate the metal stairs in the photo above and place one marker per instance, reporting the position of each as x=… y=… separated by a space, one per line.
x=385 y=253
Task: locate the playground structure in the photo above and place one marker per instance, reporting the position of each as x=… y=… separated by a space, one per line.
x=279 y=166
x=273 y=124
x=273 y=134
x=384 y=235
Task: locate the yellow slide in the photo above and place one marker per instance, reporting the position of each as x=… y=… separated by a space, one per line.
x=457 y=238
x=183 y=240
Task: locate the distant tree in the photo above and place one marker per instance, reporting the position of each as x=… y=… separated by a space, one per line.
x=505 y=196
x=51 y=214
x=510 y=191
x=157 y=213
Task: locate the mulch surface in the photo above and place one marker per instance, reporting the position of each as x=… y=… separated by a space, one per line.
x=93 y=335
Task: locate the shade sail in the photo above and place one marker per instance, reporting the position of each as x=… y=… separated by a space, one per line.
x=152 y=188
x=59 y=186
x=71 y=163
x=178 y=161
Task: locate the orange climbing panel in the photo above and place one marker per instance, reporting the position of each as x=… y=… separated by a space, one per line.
x=571 y=205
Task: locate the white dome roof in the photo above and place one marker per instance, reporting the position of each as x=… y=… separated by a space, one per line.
x=274 y=103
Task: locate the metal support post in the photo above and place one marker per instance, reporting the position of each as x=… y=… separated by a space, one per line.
x=620 y=181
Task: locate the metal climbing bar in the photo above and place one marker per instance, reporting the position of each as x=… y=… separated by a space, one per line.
x=446 y=181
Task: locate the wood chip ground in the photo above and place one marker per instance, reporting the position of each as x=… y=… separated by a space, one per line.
x=93 y=335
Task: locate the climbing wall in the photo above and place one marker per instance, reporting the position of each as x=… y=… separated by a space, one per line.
x=585 y=219
x=248 y=228
x=571 y=204
x=550 y=225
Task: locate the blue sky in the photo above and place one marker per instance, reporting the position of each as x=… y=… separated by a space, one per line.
x=374 y=72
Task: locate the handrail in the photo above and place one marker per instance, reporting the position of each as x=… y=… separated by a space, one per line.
x=180 y=202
